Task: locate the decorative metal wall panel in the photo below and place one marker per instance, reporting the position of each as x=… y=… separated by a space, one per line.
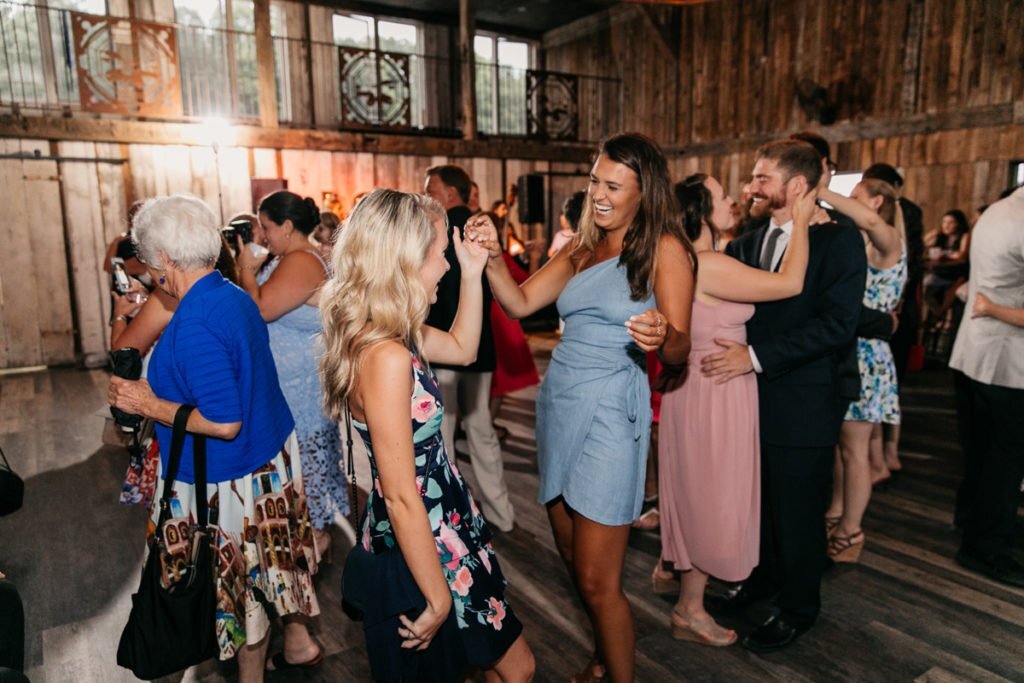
x=126 y=66
x=552 y=105
x=374 y=88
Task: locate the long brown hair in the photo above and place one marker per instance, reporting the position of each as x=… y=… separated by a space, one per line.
x=657 y=215
x=890 y=210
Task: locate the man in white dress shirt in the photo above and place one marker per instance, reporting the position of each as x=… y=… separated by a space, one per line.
x=989 y=350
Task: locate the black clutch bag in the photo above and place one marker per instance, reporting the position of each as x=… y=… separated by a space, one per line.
x=127 y=365
x=12 y=488
x=171 y=629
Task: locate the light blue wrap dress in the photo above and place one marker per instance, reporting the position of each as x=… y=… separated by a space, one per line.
x=594 y=407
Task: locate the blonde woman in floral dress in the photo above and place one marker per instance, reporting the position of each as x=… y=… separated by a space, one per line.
x=437 y=597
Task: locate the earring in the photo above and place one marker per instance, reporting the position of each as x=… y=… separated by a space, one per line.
x=163 y=278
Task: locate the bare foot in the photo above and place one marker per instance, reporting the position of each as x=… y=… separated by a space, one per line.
x=593 y=672
x=878 y=476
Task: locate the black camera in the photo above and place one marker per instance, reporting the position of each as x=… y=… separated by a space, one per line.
x=235 y=229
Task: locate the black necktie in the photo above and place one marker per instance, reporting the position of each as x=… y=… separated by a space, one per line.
x=769 y=249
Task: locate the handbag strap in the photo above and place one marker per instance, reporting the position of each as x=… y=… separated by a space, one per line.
x=7 y=465
x=198 y=467
x=350 y=469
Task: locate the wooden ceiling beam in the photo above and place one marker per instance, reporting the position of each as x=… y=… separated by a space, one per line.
x=197 y=134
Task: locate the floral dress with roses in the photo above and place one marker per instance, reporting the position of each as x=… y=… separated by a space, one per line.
x=481 y=616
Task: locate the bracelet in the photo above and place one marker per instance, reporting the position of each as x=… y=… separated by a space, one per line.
x=252 y=268
x=118 y=317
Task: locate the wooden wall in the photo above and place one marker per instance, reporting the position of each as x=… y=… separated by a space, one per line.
x=729 y=68
x=35 y=308
x=956 y=169
x=54 y=295
x=934 y=87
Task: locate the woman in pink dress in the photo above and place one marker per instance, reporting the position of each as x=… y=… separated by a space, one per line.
x=710 y=481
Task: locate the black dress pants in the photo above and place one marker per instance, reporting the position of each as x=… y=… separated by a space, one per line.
x=997 y=452
x=796 y=487
x=972 y=441
x=12 y=634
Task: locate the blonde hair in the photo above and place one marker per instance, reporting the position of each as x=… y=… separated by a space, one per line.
x=375 y=293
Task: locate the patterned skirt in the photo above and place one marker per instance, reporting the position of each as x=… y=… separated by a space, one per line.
x=879 y=400
x=264 y=555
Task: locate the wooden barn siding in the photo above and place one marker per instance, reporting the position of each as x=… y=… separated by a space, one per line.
x=733 y=83
x=956 y=169
x=739 y=61
x=54 y=295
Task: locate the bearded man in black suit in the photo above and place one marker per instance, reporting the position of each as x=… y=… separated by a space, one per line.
x=796 y=347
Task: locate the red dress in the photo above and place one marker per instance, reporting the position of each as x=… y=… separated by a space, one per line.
x=515 y=369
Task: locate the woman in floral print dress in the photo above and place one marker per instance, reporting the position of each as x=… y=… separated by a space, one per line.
x=873 y=206
x=387 y=264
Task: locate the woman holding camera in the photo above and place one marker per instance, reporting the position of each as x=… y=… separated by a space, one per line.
x=215 y=355
x=287 y=292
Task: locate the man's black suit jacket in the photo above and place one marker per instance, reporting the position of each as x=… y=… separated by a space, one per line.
x=801 y=341
x=442 y=313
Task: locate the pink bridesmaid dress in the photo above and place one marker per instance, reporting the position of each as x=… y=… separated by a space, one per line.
x=709 y=457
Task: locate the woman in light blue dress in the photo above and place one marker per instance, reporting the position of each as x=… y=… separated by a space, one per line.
x=287 y=292
x=593 y=410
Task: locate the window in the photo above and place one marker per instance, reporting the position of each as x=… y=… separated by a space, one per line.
x=87 y=6
x=501 y=66
x=370 y=33
x=843 y=183
x=1016 y=173
x=386 y=35
x=217 y=53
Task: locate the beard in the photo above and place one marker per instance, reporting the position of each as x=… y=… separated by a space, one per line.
x=763 y=209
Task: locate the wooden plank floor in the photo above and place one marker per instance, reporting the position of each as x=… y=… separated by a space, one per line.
x=907 y=612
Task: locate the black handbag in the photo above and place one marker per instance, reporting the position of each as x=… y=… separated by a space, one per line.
x=12 y=488
x=171 y=629
x=375 y=587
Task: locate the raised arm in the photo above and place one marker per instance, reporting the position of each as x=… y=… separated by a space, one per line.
x=883 y=236
x=293 y=283
x=385 y=385
x=459 y=345
x=540 y=290
x=724 y=277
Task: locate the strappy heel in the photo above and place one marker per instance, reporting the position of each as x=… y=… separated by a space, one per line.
x=846 y=548
x=682 y=629
x=830 y=525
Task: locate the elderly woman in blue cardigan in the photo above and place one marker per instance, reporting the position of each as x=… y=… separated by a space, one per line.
x=215 y=355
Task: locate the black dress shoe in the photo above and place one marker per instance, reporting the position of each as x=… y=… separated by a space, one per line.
x=772 y=635
x=738 y=597
x=1001 y=568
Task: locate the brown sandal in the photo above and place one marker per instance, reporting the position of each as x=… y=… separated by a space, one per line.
x=846 y=548
x=830 y=525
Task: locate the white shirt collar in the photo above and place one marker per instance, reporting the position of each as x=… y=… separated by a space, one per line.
x=787 y=227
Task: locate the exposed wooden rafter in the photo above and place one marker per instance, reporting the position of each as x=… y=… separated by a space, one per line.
x=146 y=132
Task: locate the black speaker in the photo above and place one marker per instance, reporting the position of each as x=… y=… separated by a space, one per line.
x=531 y=198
